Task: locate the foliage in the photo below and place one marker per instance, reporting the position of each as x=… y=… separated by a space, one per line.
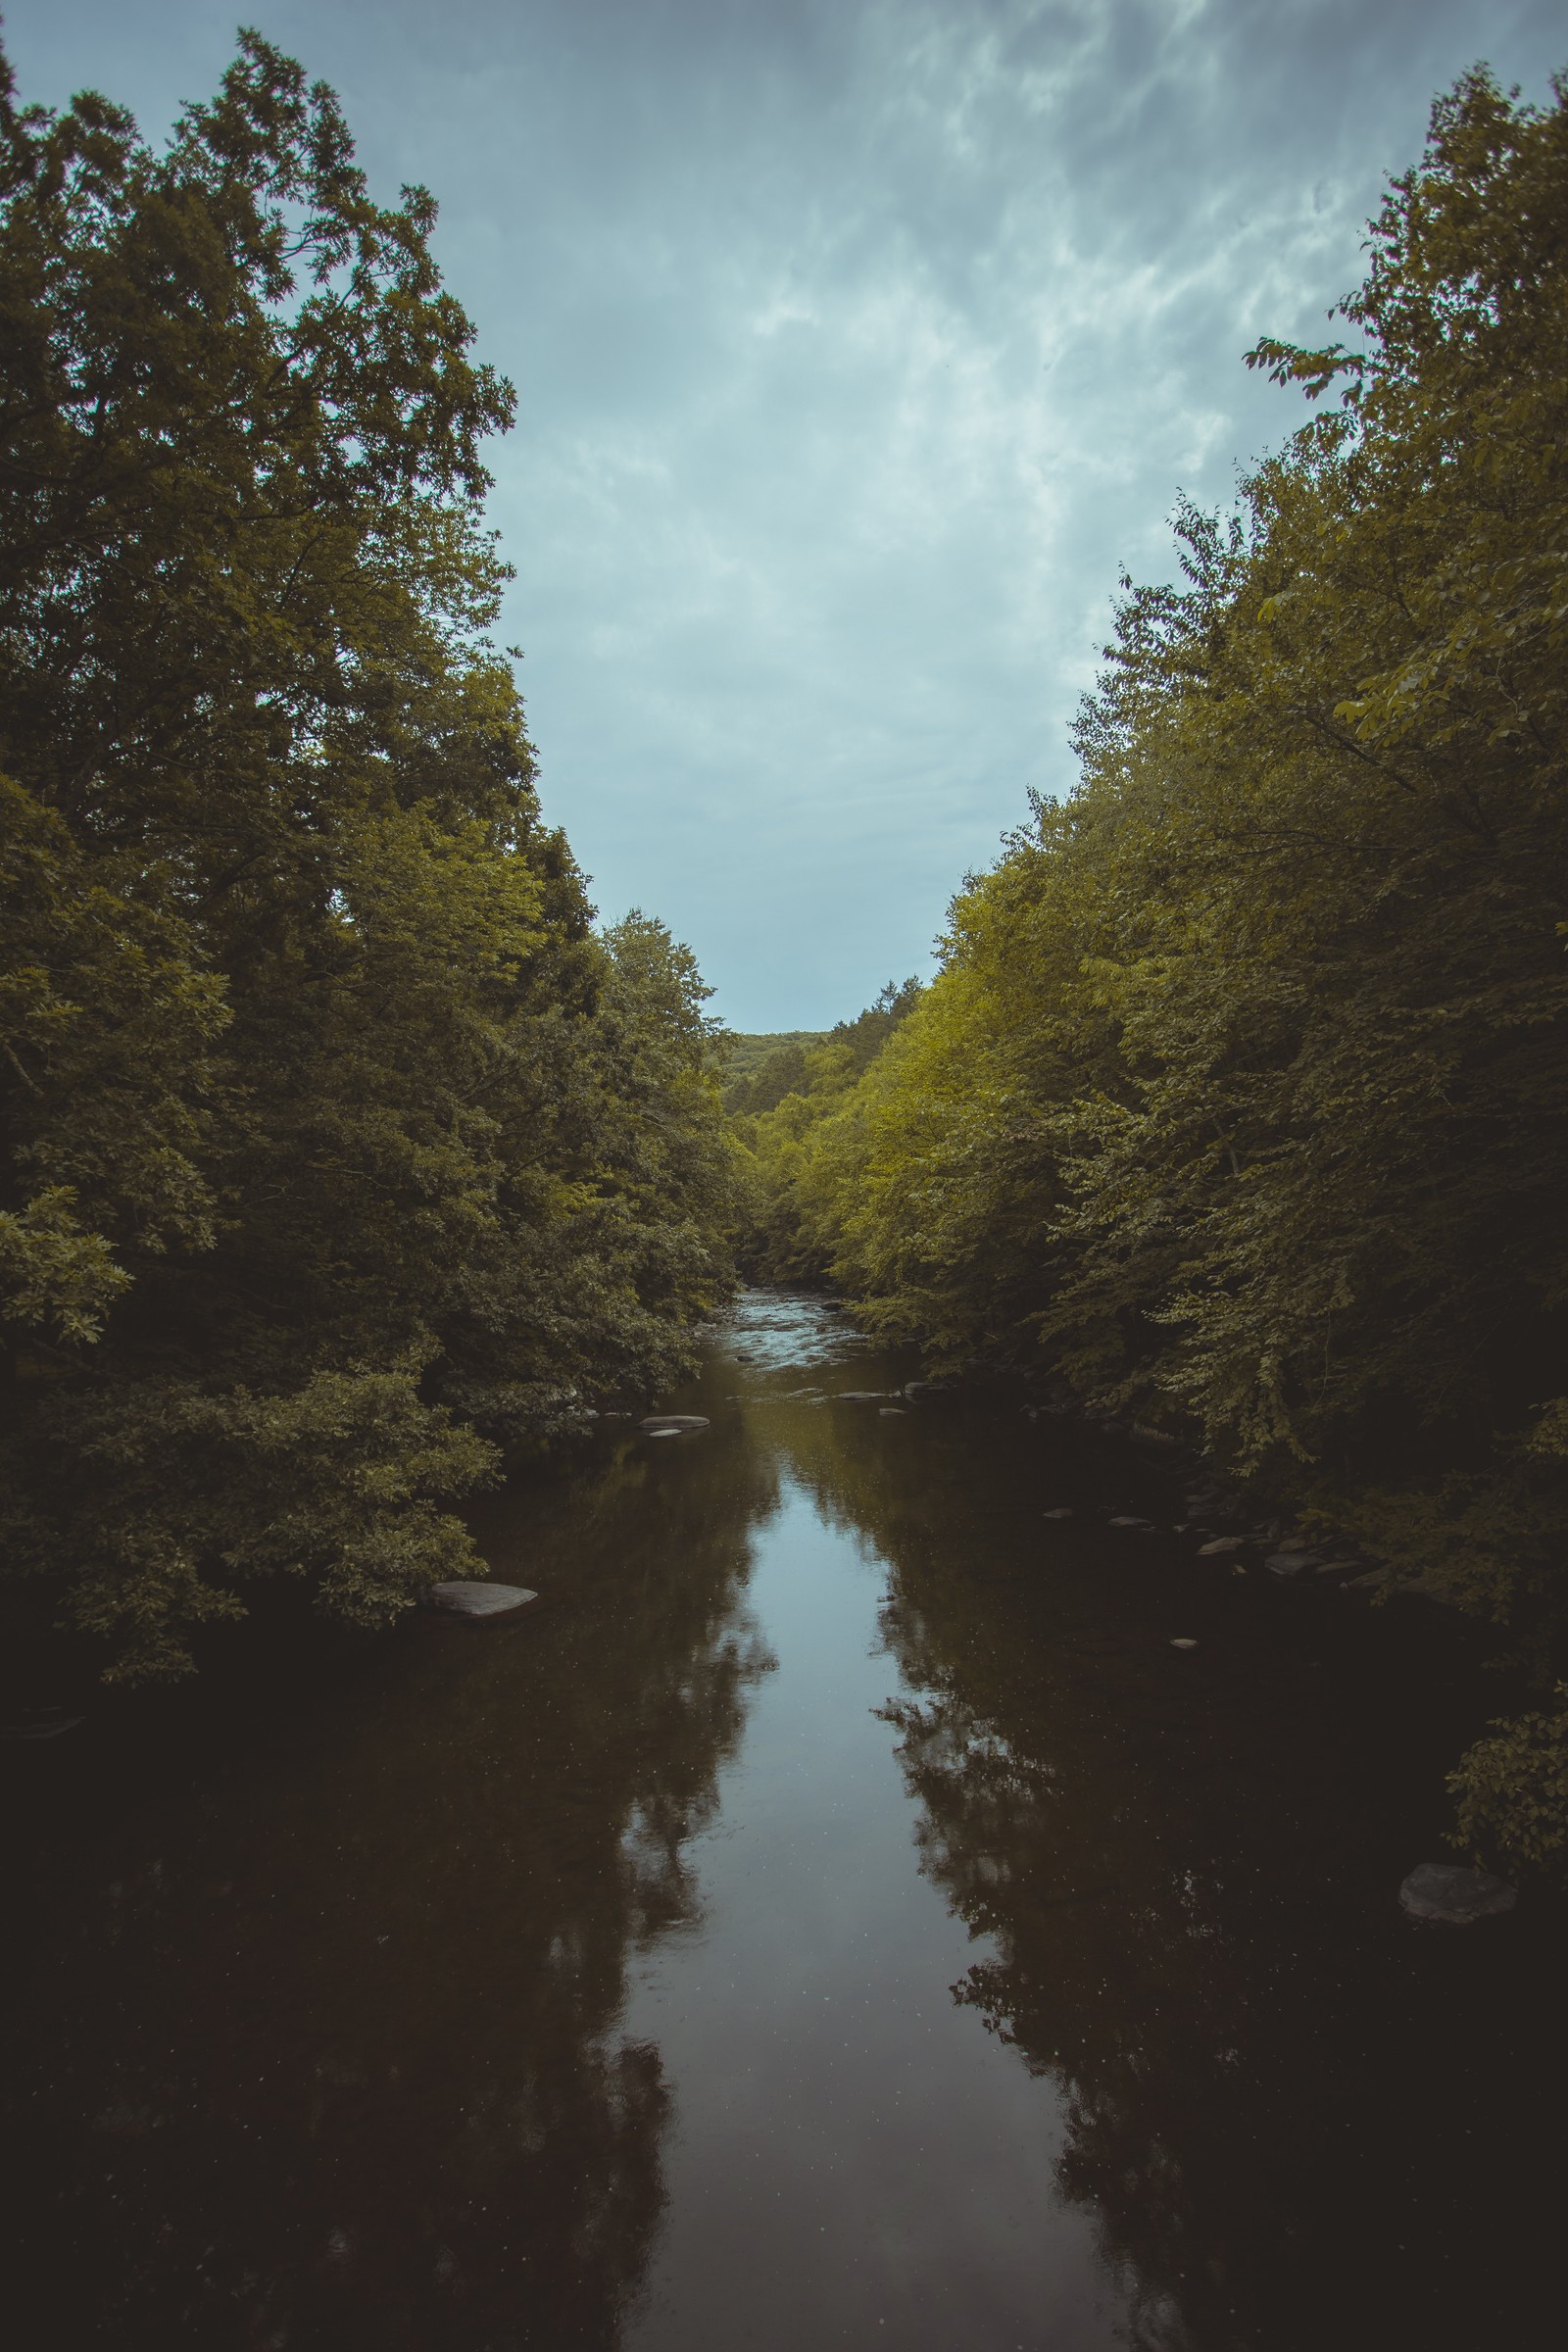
x=337 y=1150
x=1513 y=1788
x=1241 y=1099
x=778 y=1112
x=744 y=1055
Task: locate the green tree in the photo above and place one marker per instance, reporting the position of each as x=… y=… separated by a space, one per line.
x=322 y=1172
x=782 y=1116
x=1242 y=1099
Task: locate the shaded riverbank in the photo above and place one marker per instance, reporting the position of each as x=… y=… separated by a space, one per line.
x=842 y=1916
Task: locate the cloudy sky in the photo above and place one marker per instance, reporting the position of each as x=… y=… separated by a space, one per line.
x=859 y=343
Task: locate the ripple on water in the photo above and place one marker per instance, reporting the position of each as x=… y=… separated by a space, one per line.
x=786 y=1329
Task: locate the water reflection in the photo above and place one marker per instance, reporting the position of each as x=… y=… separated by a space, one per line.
x=1294 y=2120
x=988 y=1975
x=323 y=2045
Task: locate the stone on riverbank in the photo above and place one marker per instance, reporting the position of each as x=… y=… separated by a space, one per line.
x=1449 y=1891
x=482 y=1603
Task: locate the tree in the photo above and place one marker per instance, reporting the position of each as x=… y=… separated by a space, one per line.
x=1240 y=1098
x=320 y=1180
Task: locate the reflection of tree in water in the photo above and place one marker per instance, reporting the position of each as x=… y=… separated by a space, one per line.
x=330 y=2022
x=1295 y=2123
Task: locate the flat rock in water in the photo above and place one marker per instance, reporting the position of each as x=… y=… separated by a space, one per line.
x=1183 y=1642
x=1290 y=1563
x=40 y=1723
x=1221 y=1543
x=1449 y=1891
x=672 y=1425
x=891 y=1413
x=859 y=1395
x=1064 y=1513
x=483 y=1603
x=1124 y=1519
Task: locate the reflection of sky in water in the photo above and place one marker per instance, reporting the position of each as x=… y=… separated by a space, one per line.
x=853 y=2159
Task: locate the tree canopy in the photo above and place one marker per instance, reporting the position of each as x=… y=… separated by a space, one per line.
x=1241 y=1099
x=338 y=1150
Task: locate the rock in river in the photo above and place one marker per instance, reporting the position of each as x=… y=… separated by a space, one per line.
x=1447 y=1891
x=672 y=1425
x=482 y=1603
x=39 y=1723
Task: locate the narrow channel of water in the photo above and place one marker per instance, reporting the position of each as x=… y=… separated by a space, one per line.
x=840 y=1917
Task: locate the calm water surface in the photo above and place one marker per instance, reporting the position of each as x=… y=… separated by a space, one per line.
x=841 y=1918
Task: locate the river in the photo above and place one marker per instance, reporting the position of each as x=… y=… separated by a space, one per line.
x=837 y=1917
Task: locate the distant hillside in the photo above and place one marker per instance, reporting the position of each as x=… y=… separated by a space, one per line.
x=761 y=1071
x=743 y=1054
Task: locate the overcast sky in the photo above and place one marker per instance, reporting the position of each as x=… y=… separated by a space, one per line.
x=859 y=343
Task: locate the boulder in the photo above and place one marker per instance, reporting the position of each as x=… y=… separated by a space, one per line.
x=672 y=1425
x=1221 y=1543
x=482 y=1603
x=1290 y=1563
x=1449 y=1891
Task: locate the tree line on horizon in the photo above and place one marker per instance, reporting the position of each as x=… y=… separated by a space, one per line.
x=342 y=1156
x=1240 y=1101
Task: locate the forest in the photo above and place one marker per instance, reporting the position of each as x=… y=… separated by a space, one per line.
x=1239 y=1103
x=344 y=1157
